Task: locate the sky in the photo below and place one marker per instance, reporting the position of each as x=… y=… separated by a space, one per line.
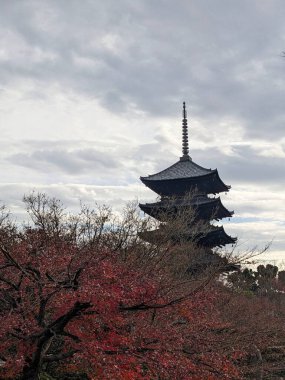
x=91 y=99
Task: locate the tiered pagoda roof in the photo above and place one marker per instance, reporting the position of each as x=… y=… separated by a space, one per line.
x=175 y=185
x=185 y=176
x=214 y=236
x=205 y=208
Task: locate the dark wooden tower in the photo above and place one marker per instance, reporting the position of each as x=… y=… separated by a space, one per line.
x=185 y=177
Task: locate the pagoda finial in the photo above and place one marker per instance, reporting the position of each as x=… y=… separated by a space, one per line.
x=185 y=145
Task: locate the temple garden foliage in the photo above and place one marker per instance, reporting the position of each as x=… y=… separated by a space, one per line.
x=85 y=297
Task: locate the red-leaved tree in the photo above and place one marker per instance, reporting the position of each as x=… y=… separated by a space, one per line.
x=84 y=295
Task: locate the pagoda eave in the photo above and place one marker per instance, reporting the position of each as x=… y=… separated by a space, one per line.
x=206 y=209
x=209 y=183
x=216 y=237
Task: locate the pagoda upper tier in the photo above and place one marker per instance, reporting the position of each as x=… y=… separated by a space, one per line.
x=183 y=177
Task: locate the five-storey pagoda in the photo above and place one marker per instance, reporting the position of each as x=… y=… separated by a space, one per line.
x=185 y=177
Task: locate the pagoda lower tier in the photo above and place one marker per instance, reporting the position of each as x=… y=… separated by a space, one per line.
x=213 y=237
x=207 y=258
x=203 y=207
x=217 y=237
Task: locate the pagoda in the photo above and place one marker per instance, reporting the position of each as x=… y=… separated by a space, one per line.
x=175 y=183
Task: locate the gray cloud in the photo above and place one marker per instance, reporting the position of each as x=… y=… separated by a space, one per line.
x=139 y=61
x=71 y=162
x=245 y=166
x=223 y=57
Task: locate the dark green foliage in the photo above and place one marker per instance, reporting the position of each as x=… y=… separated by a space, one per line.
x=281 y=277
x=261 y=279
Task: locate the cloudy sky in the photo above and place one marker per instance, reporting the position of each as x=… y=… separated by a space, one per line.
x=91 y=95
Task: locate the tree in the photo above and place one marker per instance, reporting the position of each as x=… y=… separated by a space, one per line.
x=263 y=279
x=85 y=294
x=256 y=312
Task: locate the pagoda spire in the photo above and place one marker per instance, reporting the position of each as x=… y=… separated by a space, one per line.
x=185 y=145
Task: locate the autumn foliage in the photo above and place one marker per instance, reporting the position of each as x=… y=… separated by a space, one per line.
x=85 y=296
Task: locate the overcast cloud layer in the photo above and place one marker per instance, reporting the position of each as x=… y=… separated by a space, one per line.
x=91 y=94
